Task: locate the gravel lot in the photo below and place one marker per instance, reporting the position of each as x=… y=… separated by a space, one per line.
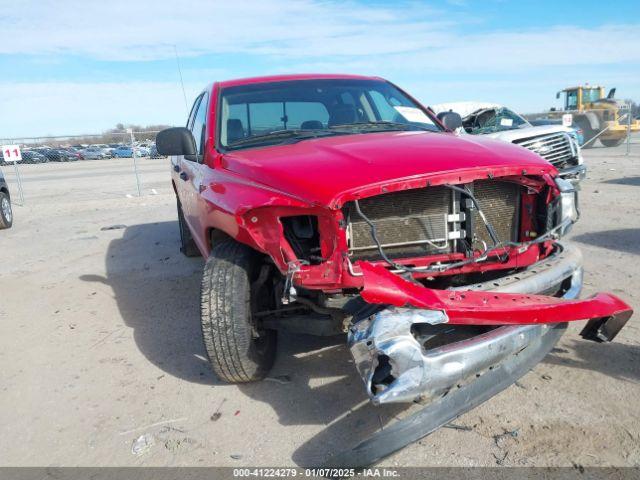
x=100 y=344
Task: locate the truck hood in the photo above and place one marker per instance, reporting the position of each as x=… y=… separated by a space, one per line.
x=327 y=171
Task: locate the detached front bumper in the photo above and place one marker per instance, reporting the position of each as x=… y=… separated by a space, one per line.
x=390 y=347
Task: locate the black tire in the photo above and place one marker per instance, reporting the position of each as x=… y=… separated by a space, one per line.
x=187 y=245
x=612 y=143
x=6 y=213
x=238 y=350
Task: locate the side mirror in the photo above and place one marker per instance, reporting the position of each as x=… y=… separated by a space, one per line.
x=451 y=120
x=558 y=95
x=176 y=141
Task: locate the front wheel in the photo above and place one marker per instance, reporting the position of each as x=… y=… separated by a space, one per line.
x=612 y=143
x=239 y=349
x=6 y=214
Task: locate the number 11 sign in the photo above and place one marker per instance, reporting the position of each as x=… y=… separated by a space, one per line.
x=12 y=154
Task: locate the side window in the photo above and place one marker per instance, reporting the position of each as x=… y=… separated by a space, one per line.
x=198 y=127
x=572 y=101
x=192 y=114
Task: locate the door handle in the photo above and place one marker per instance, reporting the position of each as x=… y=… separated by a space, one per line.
x=176 y=168
x=184 y=176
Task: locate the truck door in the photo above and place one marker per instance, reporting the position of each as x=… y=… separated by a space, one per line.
x=178 y=163
x=191 y=171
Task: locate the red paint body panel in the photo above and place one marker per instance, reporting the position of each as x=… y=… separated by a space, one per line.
x=484 y=308
x=329 y=171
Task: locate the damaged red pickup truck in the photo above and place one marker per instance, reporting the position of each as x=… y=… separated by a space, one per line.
x=331 y=204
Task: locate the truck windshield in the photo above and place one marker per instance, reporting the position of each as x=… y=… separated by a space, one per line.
x=284 y=112
x=490 y=120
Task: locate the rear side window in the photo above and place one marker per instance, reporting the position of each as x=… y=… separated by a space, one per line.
x=199 y=125
x=300 y=112
x=266 y=117
x=239 y=113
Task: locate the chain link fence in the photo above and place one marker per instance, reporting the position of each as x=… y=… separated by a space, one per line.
x=92 y=159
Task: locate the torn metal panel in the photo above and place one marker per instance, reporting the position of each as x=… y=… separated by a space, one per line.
x=484 y=308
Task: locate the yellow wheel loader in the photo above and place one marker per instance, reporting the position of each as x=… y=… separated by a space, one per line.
x=599 y=117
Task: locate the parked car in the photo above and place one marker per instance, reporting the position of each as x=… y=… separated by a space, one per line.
x=123 y=152
x=153 y=152
x=94 y=153
x=554 y=143
x=55 y=155
x=74 y=153
x=144 y=151
x=31 y=156
x=6 y=213
x=359 y=211
x=106 y=149
x=577 y=132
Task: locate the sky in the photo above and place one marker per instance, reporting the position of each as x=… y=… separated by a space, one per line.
x=79 y=67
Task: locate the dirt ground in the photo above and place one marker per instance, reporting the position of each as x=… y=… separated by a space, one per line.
x=100 y=344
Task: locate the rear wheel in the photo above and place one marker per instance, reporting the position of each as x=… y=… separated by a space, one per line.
x=6 y=213
x=234 y=285
x=612 y=143
x=187 y=245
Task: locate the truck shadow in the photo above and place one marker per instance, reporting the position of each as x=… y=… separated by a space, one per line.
x=617 y=360
x=157 y=293
x=632 y=181
x=325 y=390
x=314 y=382
x=624 y=239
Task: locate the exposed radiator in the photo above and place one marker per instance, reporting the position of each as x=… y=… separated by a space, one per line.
x=420 y=222
x=407 y=223
x=500 y=202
